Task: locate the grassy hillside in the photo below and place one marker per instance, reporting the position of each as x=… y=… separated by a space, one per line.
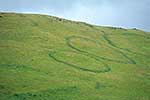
x=49 y=58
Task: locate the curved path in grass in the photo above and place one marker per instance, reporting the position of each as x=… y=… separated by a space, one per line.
x=83 y=68
x=92 y=56
x=110 y=42
x=69 y=43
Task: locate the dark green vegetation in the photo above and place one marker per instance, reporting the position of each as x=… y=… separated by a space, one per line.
x=49 y=58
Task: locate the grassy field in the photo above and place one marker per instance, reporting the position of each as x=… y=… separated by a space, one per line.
x=49 y=58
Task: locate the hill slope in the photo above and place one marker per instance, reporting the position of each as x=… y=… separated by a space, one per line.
x=49 y=58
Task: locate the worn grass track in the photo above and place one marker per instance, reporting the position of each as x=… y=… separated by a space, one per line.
x=106 y=36
x=83 y=68
x=100 y=57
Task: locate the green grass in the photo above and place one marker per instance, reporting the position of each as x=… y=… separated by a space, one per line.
x=49 y=58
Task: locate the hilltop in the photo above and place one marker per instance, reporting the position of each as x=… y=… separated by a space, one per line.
x=49 y=58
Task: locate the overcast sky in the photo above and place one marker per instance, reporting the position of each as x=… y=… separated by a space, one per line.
x=122 y=13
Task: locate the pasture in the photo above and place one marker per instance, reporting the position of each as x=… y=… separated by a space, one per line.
x=49 y=58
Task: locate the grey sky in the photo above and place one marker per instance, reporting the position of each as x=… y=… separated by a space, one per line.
x=122 y=13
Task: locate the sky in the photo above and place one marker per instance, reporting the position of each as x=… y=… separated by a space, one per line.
x=117 y=13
